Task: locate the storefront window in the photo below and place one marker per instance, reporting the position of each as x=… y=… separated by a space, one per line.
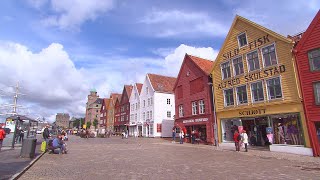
x=274 y=88
x=242 y=94
x=257 y=91
x=228 y=97
x=228 y=128
x=201 y=107
x=194 y=108
x=287 y=129
x=269 y=56
x=151 y=130
x=225 y=68
x=237 y=66
x=253 y=61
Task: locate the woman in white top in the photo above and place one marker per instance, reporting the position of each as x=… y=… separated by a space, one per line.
x=245 y=139
x=181 y=135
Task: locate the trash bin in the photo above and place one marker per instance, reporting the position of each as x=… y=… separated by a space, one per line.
x=28 y=148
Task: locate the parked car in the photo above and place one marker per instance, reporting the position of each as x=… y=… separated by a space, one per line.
x=7 y=130
x=39 y=131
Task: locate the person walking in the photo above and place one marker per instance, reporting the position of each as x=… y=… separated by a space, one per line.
x=21 y=135
x=245 y=140
x=173 y=136
x=181 y=135
x=46 y=133
x=2 y=136
x=237 y=139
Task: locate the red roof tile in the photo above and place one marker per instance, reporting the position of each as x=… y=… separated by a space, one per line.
x=128 y=90
x=162 y=83
x=204 y=64
x=115 y=96
x=139 y=87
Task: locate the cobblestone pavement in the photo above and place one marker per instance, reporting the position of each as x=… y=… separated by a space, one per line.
x=143 y=158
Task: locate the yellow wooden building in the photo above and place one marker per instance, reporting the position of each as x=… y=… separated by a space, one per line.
x=256 y=89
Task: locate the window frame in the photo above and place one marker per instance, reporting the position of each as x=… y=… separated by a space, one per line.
x=267 y=91
x=168 y=101
x=194 y=106
x=311 y=64
x=316 y=96
x=237 y=97
x=275 y=51
x=224 y=97
x=202 y=109
x=239 y=41
x=233 y=67
x=222 y=74
x=248 y=64
x=263 y=91
x=169 y=113
x=181 y=114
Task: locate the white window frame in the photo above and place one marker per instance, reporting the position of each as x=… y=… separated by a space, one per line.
x=263 y=91
x=147 y=90
x=237 y=98
x=144 y=103
x=275 y=51
x=194 y=106
x=239 y=41
x=144 y=116
x=181 y=110
x=169 y=114
x=224 y=97
x=168 y=101
x=266 y=88
x=201 y=106
x=150 y=115
x=230 y=65
x=233 y=68
x=311 y=64
x=151 y=101
x=247 y=60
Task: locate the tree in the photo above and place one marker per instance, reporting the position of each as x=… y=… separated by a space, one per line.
x=95 y=123
x=76 y=123
x=88 y=124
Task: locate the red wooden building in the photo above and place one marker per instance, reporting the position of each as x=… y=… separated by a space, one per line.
x=104 y=113
x=122 y=114
x=117 y=113
x=307 y=55
x=193 y=99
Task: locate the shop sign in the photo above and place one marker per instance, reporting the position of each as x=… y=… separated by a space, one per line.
x=252 y=112
x=195 y=120
x=123 y=113
x=132 y=123
x=254 y=76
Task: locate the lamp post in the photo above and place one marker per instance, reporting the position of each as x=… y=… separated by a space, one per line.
x=215 y=126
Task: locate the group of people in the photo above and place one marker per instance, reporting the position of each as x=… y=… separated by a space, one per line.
x=58 y=142
x=240 y=140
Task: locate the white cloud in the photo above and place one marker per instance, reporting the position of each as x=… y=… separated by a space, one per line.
x=48 y=78
x=173 y=61
x=37 y=4
x=71 y=14
x=180 y=23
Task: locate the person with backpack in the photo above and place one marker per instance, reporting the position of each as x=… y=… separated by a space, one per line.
x=237 y=139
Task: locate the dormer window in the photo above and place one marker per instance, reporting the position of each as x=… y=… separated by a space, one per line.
x=147 y=90
x=242 y=39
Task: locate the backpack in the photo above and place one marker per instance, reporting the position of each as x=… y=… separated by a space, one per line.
x=239 y=137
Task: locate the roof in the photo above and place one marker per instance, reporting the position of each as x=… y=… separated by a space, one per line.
x=98 y=101
x=239 y=18
x=128 y=90
x=15 y=117
x=204 y=64
x=106 y=102
x=114 y=96
x=308 y=32
x=139 y=87
x=162 y=83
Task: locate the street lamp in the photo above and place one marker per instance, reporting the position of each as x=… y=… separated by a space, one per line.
x=215 y=126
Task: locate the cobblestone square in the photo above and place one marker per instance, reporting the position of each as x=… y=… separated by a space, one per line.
x=147 y=158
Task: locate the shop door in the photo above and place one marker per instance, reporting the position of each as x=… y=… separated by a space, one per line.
x=140 y=131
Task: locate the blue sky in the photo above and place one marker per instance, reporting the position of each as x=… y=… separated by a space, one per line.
x=62 y=49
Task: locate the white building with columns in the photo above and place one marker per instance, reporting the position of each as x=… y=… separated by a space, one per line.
x=157 y=106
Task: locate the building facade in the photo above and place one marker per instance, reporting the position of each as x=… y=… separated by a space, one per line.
x=135 y=125
x=91 y=107
x=111 y=111
x=256 y=89
x=193 y=99
x=123 y=110
x=103 y=123
x=157 y=106
x=307 y=55
x=62 y=120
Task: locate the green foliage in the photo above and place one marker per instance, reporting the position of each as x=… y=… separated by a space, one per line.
x=88 y=124
x=95 y=123
x=76 y=123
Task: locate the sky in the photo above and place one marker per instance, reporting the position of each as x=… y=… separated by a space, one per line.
x=59 y=50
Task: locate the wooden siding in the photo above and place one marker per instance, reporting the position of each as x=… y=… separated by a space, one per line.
x=284 y=56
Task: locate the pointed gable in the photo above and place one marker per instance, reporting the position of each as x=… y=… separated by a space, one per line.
x=162 y=83
x=114 y=97
x=128 y=89
x=204 y=64
x=139 y=87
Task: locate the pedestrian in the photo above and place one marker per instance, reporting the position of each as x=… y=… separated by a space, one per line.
x=2 y=136
x=181 y=135
x=245 y=140
x=237 y=139
x=87 y=133
x=46 y=133
x=173 y=136
x=135 y=134
x=17 y=134
x=193 y=137
x=21 y=135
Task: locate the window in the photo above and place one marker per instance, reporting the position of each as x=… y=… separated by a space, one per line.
x=225 y=68
x=150 y=114
x=316 y=87
x=168 y=101
x=274 y=88
x=314 y=59
x=242 y=39
x=194 y=108
x=127 y=117
x=151 y=129
x=201 y=107
x=144 y=116
x=242 y=97
x=147 y=114
x=147 y=90
x=151 y=101
x=237 y=66
x=257 y=91
x=96 y=110
x=136 y=106
x=269 y=55
x=148 y=101
x=144 y=103
x=180 y=110
x=136 y=116
x=228 y=97
x=169 y=114
x=253 y=61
